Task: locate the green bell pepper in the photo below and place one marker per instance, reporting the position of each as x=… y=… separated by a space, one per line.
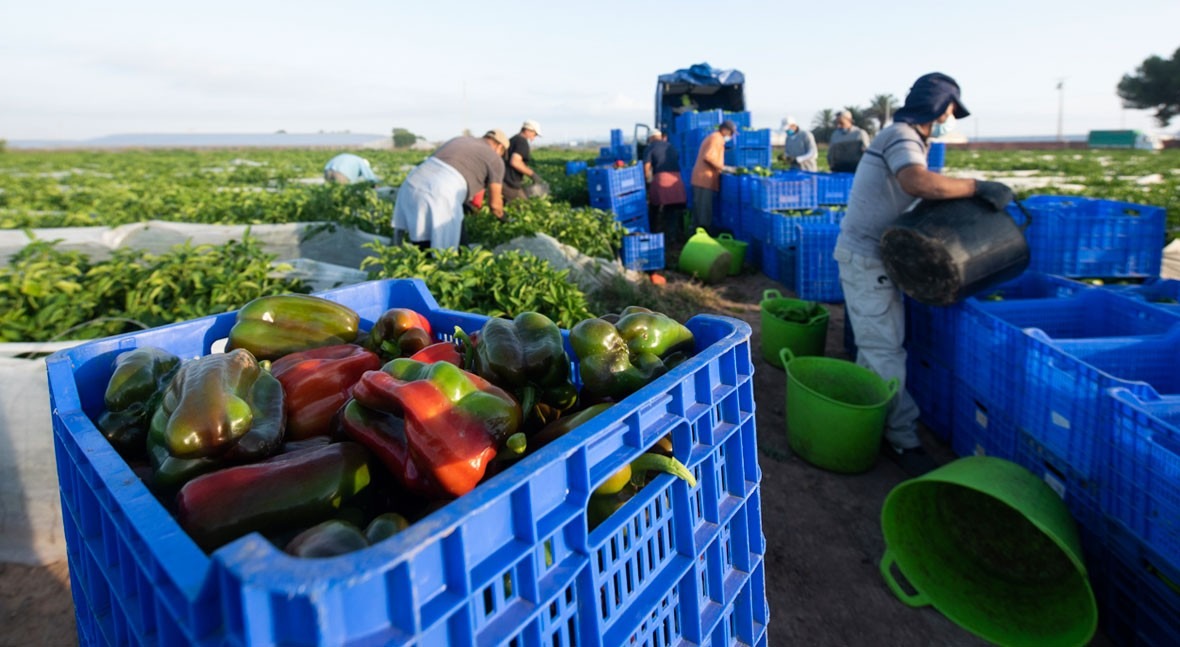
x=218 y=410
x=273 y=326
x=617 y=359
x=526 y=356
x=133 y=392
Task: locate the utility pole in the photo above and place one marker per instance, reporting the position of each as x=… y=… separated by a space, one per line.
x=1060 y=109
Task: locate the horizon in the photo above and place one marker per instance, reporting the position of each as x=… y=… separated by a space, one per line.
x=77 y=71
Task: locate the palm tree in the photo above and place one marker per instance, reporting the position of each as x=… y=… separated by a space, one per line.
x=823 y=124
x=882 y=107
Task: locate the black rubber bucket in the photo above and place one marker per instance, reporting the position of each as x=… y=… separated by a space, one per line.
x=943 y=251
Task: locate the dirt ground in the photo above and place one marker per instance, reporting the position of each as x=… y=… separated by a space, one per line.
x=823 y=535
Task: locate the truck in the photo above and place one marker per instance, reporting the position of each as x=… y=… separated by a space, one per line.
x=698 y=87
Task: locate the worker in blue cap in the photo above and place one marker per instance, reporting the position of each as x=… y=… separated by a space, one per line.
x=891 y=176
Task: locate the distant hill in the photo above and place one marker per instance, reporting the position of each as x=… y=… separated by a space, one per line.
x=215 y=140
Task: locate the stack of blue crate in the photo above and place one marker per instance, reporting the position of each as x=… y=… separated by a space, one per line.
x=1077 y=384
x=618 y=151
x=622 y=191
x=750 y=148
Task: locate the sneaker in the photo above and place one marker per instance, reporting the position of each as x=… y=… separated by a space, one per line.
x=913 y=461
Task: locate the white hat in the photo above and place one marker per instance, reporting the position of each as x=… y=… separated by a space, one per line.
x=529 y=124
x=844 y=113
x=655 y=132
x=790 y=121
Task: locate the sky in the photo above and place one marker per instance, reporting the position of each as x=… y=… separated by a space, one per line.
x=79 y=70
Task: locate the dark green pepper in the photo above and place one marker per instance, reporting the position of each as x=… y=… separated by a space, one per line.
x=526 y=356
x=617 y=359
x=133 y=392
x=328 y=539
x=273 y=326
x=385 y=526
x=288 y=490
x=218 y=410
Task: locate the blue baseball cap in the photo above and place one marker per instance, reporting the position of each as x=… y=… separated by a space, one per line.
x=928 y=99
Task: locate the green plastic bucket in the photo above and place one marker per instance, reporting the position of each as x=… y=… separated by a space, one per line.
x=803 y=337
x=994 y=549
x=704 y=258
x=835 y=412
x=737 y=252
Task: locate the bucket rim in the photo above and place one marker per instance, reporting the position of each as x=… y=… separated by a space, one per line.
x=890 y=386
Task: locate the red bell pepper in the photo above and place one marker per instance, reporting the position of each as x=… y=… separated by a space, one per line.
x=384 y=434
x=455 y=421
x=316 y=383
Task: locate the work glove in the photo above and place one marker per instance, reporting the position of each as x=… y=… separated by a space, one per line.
x=537 y=179
x=997 y=194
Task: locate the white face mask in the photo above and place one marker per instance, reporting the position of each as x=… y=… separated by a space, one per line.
x=941 y=129
x=727 y=138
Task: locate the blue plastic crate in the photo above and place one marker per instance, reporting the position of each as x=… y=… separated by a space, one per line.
x=729 y=214
x=643 y=252
x=777 y=263
x=1067 y=408
x=783 y=191
x=832 y=188
x=623 y=203
x=705 y=119
x=688 y=146
x=616 y=137
x=783 y=228
x=931 y=384
x=749 y=138
x=511 y=562
x=1089 y=237
x=1080 y=492
x=936 y=156
x=573 y=167
x=741 y=118
x=1143 y=471
x=1164 y=293
x=817 y=276
x=1138 y=594
x=979 y=427
x=606 y=183
x=635 y=224
x=748 y=157
x=933 y=330
x=1089 y=313
x=1033 y=285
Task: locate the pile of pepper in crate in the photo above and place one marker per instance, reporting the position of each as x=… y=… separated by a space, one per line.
x=326 y=438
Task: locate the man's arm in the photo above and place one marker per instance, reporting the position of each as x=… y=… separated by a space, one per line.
x=496 y=199
x=517 y=163
x=922 y=183
x=647 y=171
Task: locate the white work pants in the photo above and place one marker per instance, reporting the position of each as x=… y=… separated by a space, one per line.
x=873 y=303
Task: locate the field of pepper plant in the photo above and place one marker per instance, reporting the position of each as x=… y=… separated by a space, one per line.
x=49 y=294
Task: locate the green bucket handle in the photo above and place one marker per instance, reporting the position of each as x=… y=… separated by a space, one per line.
x=891 y=386
x=785 y=356
x=772 y=293
x=725 y=236
x=888 y=561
